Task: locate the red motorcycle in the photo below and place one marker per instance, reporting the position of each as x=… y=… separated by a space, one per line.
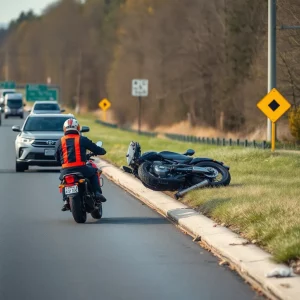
x=79 y=193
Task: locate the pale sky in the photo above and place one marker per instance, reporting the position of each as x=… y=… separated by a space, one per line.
x=10 y=9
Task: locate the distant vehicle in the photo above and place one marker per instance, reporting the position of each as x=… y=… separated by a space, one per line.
x=13 y=105
x=46 y=107
x=35 y=143
x=4 y=92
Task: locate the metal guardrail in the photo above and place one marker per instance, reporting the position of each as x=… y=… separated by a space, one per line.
x=218 y=141
x=212 y=141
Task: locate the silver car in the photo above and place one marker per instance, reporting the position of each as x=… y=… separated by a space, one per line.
x=35 y=143
x=46 y=107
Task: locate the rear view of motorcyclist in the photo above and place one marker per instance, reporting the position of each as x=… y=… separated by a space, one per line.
x=71 y=153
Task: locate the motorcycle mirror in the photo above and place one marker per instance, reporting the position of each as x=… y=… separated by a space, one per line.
x=189 y=152
x=85 y=129
x=99 y=144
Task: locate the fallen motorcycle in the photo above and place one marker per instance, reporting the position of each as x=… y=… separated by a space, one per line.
x=79 y=192
x=171 y=171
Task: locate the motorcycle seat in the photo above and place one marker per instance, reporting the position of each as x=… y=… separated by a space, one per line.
x=175 y=156
x=77 y=174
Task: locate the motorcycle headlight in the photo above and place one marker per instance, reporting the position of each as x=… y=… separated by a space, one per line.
x=26 y=140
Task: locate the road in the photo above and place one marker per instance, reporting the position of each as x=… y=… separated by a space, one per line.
x=132 y=253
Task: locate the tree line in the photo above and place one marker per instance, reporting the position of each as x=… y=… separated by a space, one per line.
x=205 y=60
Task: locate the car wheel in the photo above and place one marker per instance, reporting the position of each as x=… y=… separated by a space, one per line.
x=22 y=117
x=5 y=116
x=21 y=167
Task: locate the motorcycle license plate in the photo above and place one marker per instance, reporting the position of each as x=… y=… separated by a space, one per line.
x=71 y=189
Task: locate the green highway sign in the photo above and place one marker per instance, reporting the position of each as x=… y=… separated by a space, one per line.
x=7 y=85
x=40 y=92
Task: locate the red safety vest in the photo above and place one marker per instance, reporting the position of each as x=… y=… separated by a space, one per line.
x=78 y=161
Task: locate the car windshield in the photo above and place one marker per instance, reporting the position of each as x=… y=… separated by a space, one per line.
x=14 y=103
x=8 y=92
x=46 y=106
x=45 y=123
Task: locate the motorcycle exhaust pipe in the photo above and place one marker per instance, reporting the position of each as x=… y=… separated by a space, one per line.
x=198 y=185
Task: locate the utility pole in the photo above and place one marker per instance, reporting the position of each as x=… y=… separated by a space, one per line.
x=272 y=52
x=271 y=55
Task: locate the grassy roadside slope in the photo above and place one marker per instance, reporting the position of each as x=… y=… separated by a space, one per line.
x=262 y=203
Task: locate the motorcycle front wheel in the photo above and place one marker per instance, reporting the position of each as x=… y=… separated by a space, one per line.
x=78 y=212
x=222 y=179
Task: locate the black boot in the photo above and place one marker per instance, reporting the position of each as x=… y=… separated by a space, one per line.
x=66 y=206
x=100 y=197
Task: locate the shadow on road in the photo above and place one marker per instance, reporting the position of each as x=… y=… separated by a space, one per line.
x=130 y=221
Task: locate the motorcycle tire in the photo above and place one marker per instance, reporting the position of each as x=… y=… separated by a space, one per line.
x=79 y=214
x=155 y=183
x=226 y=177
x=97 y=213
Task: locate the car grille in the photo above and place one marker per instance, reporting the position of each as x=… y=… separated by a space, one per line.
x=39 y=156
x=44 y=143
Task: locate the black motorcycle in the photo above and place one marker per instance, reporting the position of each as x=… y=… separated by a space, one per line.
x=79 y=193
x=171 y=171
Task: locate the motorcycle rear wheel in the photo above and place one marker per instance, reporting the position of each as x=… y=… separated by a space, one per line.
x=78 y=212
x=226 y=177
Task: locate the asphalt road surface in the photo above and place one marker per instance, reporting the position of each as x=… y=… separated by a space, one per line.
x=132 y=253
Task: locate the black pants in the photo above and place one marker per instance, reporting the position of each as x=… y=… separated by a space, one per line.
x=87 y=172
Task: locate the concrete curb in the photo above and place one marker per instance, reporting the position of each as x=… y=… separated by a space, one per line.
x=248 y=260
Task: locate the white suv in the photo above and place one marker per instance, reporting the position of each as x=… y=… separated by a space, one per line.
x=35 y=143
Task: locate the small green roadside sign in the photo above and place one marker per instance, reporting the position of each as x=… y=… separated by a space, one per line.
x=7 y=85
x=40 y=92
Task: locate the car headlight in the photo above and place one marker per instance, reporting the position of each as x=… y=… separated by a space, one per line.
x=26 y=140
x=7 y=109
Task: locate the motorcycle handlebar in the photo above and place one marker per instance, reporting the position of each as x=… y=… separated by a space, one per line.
x=89 y=155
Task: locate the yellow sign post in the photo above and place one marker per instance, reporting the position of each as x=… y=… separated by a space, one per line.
x=104 y=105
x=273 y=105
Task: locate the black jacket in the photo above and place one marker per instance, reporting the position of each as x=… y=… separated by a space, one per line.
x=85 y=144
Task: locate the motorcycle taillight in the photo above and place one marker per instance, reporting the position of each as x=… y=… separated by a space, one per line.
x=69 y=179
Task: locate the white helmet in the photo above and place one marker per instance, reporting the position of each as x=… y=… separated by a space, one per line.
x=71 y=124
